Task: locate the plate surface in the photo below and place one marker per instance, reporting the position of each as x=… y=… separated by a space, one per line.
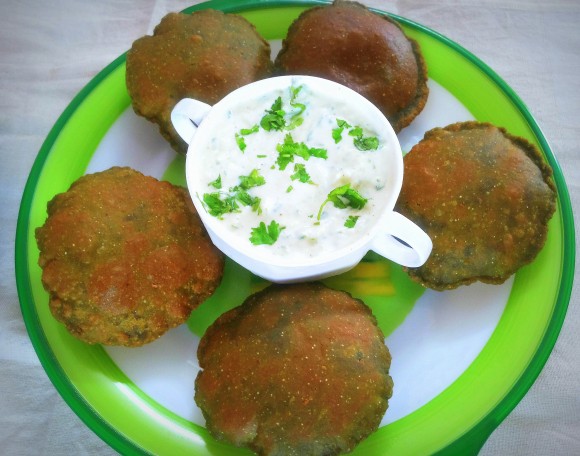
x=461 y=359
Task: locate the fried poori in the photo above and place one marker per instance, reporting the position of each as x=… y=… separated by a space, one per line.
x=368 y=52
x=204 y=55
x=484 y=197
x=125 y=257
x=297 y=370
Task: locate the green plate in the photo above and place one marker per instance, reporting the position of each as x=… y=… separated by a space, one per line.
x=462 y=359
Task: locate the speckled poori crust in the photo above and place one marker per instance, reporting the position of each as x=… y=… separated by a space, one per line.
x=204 y=55
x=125 y=258
x=296 y=370
x=484 y=197
x=368 y=52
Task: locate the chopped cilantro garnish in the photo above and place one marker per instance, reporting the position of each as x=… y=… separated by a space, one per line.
x=356 y=132
x=368 y=143
x=299 y=149
x=289 y=148
x=274 y=118
x=249 y=131
x=217 y=206
x=220 y=203
x=254 y=179
x=285 y=153
x=318 y=153
x=343 y=197
x=351 y=221
x=241 y=142
x=289 y=189
x=337 y=132
x=296 y=119
x=361 y=142
x=294 y=91
x=216 y=183
x=301 y=174
x=267 y=235
x=248 y=200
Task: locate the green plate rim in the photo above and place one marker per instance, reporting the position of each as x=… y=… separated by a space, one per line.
x=470 y=440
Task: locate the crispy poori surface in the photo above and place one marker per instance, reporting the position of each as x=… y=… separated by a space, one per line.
x=484 y=197
x=204 y=55
x=368 y=52
x=125 y=257
x=296 y=369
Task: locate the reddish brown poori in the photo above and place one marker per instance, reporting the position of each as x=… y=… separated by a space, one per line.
x=204 y=55
x=296 y=369
x=484 y=197
x=125 y=257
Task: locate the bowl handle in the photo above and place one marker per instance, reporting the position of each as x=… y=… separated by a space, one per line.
x=415 y=247
x=186 y=116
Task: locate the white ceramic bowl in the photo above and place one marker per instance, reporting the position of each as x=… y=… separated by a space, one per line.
x=199 y=124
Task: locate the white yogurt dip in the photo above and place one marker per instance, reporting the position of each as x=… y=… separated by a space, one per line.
x=278 y=190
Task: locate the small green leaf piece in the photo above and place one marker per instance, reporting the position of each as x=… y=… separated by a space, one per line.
x=351 y=221
x=343 y=197
x=216 y=183
x=266 y=235
x=301 y=174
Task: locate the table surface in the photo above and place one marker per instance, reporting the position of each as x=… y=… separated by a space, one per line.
x=50 y=50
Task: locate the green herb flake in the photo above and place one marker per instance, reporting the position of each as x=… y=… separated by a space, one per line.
x=284 y=158
x=241 y=142
x=254 y=179
x=249 y=131
x=216 y=183
x=356 y=131
x=289 y=189
x=220 y=203
x=368 y=143
x=277 y=119
x=294 y=91
x=301 y=174
x=296 y=119
x=337 y=132
x=266 y=235
x=248 y=200
x=343 y=197
x=351 y=221
x=285 y=152
x=274 y=118
x=289 y=148
x=361 y=142
x=217 y=206
x=318 y=153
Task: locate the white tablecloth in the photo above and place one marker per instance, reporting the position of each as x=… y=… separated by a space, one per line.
x=50 y=49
